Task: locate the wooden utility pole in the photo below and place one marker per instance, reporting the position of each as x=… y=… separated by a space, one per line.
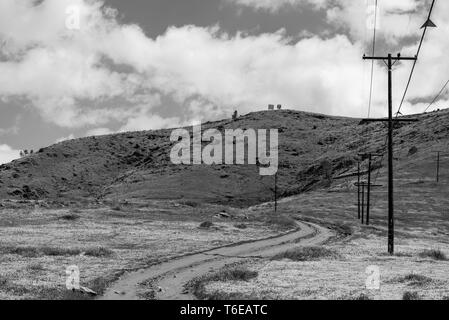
x=369 y=185
x=276 y=193
x=358 y=190
x=390 y=61
x=438 y=166
x=363 y=202
x=369 y=189
x=364 y=185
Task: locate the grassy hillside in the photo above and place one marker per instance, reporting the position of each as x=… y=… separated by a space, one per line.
x=137 y=165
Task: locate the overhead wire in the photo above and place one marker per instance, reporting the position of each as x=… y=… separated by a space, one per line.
x=415 y=61
x=407 y=86
x=437 y=96
x=372 y=62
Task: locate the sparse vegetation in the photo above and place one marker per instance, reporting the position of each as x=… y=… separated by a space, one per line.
x=70 y=217
x=98 y=285
x=307 y=254
x=240 y=226
x=191 y=203
x=408 y=295
x=116 y=206
x=415 y=279
x=97 y=252
x=435 y=254
x=3 y=281
x=34 y=252
x=35 y=267
x=413 y=150
x=206 y=225
x=363 y=296
x=282 y=221
x=229 y=273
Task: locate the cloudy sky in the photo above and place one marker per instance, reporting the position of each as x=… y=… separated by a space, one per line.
x=72 y=68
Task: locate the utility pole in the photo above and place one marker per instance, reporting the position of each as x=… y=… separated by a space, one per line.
x=363 y=202
x=276 y=193
x=358 y=190
x=438 y=166
x=390 y=62
x=369 y=185
x=364 y=185
x=369 y=189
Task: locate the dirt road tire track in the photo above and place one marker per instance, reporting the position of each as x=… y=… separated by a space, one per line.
x=171 y=276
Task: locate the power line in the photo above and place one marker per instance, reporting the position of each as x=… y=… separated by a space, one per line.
x=437 y=96
x=425 y=26
x=428 y=24
x=372 y=63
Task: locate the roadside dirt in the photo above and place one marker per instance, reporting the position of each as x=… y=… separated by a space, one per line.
x=171 y=276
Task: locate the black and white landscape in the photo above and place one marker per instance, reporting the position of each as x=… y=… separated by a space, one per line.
x=224 y=149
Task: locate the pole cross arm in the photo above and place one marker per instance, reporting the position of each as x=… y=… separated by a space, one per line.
x=397 y=58
x=366 y=185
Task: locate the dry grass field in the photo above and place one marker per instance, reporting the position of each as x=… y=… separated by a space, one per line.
x=344 y=276
x=418 y=270
x=37 y=244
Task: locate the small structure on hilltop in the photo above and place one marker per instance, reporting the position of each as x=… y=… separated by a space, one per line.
x=271 y=107
x=235 y=115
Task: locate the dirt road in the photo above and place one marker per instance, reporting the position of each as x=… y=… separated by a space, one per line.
x=173 y=275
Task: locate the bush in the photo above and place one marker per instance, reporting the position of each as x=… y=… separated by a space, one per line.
x=3 y=281
x=433 y=254
x=410 y=296
x=191 y=203
x=98 y=252
x=306 y=254
x=34 y=252
x=416 y=279
x=70 y=217
x=413 y=150
x=240 y=226
x=198 y=285
x=363 y=296
x=34 y=267
x=283 y=222
x=206 y=225
x=116 y=207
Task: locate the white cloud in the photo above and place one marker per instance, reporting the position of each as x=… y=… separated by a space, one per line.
x=71 y=76
x=250 y=72
x=99 y=132
x=276 y=5
x=149 y=122
x=60 y=69
x=70 y=137
x=7 y=154
x=396 y=19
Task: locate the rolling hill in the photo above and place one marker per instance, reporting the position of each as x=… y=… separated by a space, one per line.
x=315 y=151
